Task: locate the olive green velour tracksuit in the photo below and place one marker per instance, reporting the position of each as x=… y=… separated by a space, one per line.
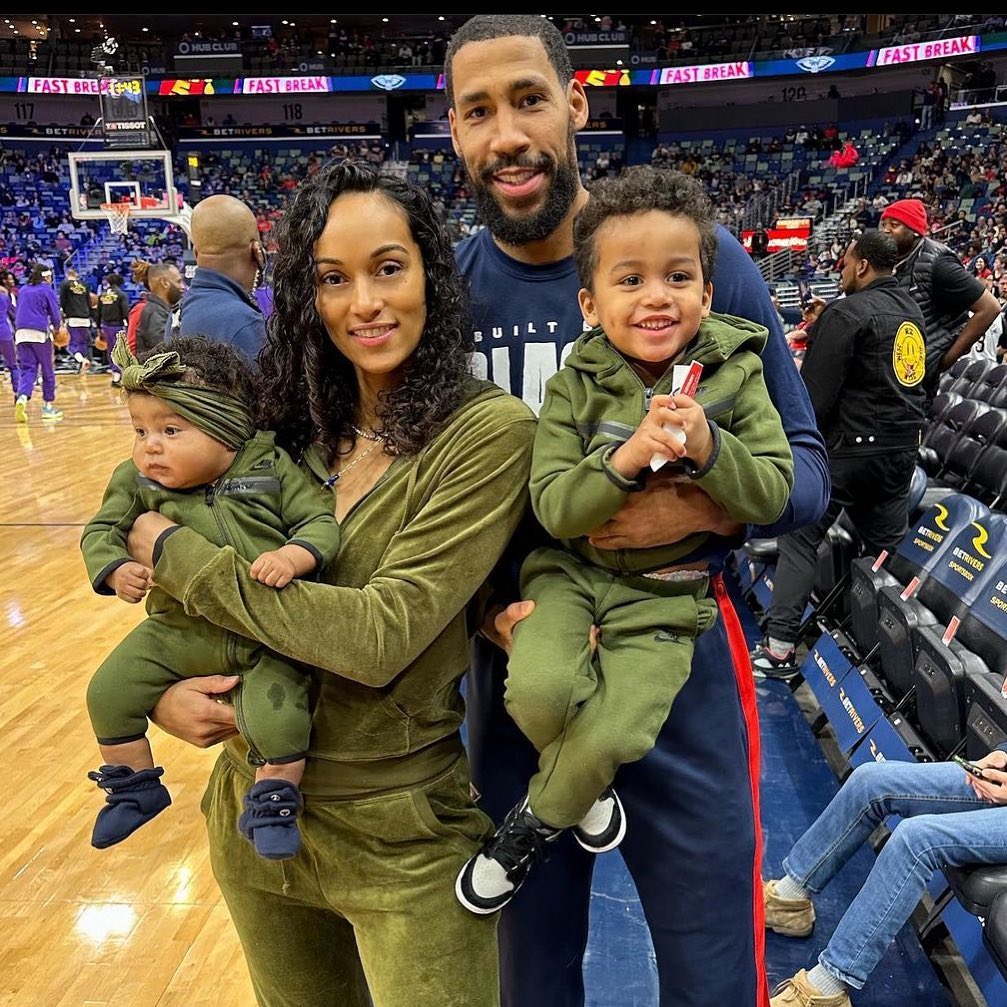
x=388 y=821
x=262 y=502
x=588 y=714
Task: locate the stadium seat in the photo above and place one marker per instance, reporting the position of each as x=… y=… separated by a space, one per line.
x=984 y=430
x=946 y=657
x=941 y=438
x=921 y=547
x=925 y=600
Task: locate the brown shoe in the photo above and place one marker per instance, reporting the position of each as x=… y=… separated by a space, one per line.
x=798 y=992
x=790 y=917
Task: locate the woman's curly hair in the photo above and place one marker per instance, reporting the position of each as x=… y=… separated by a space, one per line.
x=309 y=389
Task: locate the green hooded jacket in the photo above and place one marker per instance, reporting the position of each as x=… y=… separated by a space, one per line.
x=596 y=402
x=263 y=501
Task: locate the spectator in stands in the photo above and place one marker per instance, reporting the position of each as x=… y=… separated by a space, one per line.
x=75 y=304
x=864 y=372
x=760 y=241
x=36 y=317
x=946 y=292
x=230 y=258
x=522 y=163
x=165 y=286
x=846 y=157
x=949 y=819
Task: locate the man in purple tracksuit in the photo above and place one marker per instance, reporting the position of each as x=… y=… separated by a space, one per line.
x=37 y=313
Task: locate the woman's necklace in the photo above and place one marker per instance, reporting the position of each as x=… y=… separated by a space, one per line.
x=336 y=476
x=368 y=435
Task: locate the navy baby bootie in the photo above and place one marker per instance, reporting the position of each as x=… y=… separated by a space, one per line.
x=132 y=797
x=269 y=821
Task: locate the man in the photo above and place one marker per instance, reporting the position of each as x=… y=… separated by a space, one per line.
x=693 y=838
x=75 y=306
x=165 y=288
x=229 y=262
x=864 y=371
x=941 y=285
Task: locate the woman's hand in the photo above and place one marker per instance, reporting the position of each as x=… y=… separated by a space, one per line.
x=192 y=710
x=144 y=533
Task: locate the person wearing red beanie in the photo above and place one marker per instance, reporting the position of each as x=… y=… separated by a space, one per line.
x=910 y=212
x=944 y=289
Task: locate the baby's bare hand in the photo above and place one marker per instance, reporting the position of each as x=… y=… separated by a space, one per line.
x=131 y=582
x=273 y=569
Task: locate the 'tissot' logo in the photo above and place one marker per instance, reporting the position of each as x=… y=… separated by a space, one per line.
x=388 y=81
x=815 y=64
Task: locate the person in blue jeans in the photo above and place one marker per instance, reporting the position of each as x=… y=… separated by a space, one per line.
x=514 y=109
x=949 y=818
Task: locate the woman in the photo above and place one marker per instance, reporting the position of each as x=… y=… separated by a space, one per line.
x=365 y=377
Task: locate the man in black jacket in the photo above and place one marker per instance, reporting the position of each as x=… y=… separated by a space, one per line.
x=75 y=305
x=166 y=287
x=865 y=371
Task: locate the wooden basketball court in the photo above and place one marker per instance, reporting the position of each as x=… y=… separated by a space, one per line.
x=141 y=924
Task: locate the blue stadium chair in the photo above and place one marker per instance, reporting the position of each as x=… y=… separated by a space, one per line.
x=923 y=601
x=968 y=577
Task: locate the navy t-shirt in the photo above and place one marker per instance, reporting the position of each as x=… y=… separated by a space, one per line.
x=526 y=317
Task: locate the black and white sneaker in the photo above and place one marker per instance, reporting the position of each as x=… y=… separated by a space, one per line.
x=604 y=826
x=490 y=879
x=767 y=663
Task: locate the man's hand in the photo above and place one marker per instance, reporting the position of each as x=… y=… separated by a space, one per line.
x=994 y=767
x=498 y=625
x=130 y=581
x=192 y=711
x=664 y=513
x=142 y=536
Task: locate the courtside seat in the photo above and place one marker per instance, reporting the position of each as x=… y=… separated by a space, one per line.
x=989 y=383
x=941 y=438
x=946 y=652
x=929 y=599
x=987 y=427
x=921 y=547
x=995 y=932
x=972 y=374
x=988 y=479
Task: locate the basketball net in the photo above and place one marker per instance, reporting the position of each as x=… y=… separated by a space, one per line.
x=117 y=215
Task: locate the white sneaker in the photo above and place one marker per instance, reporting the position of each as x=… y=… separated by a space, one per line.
x=604 y=826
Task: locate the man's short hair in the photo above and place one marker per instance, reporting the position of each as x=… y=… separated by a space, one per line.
x=878 y=248
x=485 y=27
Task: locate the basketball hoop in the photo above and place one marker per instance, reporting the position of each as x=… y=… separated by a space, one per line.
x=117 y=215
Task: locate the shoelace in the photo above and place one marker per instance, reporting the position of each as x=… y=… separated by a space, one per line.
x=520 y=843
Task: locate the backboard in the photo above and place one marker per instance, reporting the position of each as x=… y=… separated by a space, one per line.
x=144 y=178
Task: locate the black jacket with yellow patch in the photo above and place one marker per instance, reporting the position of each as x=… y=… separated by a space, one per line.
x=865 y=370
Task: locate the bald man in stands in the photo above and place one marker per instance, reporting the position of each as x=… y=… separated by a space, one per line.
x=220 y=302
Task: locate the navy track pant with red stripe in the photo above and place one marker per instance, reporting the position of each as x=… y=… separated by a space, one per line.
x=693 y=842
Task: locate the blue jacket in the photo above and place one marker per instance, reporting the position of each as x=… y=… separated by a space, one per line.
x=216 y=307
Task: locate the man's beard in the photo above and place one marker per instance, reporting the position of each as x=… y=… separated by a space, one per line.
x=562 y=180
